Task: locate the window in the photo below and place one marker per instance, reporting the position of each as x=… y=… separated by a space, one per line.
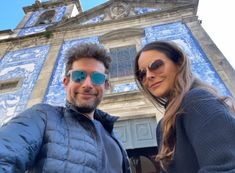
x=122 y=61
x=9 y=85
x=46 y=17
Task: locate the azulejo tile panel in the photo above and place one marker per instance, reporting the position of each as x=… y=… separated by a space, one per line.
x=144 y=10
x=179 y=33
x=55 y=92
x=124 y=87
x=94 y=20
x=25 y=64
x=29 y=27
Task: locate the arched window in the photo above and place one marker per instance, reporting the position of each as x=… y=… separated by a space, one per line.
x=46 y=17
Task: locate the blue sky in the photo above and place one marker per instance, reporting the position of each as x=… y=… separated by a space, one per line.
x=11 y=11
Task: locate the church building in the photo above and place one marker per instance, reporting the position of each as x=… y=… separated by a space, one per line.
x=32 y=60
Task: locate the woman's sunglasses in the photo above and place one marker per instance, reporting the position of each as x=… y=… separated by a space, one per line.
x=156 y=66
x=79 y=76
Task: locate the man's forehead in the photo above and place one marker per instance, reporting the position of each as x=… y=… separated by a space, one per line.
x=88 y=64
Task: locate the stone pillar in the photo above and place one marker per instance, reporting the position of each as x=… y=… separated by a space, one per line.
x=41 y=86
x=215 y=56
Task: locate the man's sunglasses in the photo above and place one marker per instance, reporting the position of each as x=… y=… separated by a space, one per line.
x=79 y=76
x=156 y=66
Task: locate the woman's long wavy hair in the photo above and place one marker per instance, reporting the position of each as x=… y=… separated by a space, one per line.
x=184 y=81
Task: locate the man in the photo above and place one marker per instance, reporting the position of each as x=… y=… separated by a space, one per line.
x=77 y=138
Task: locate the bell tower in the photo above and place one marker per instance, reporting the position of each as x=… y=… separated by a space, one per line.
x=43 y=14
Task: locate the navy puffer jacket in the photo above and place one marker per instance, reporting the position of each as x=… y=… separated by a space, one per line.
x=45 y=139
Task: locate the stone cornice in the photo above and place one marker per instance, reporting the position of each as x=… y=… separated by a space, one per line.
x=103 y=9
x=158 y=14
x=121 y=33
x=7 y=31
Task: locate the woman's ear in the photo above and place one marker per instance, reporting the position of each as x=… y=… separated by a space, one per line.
x=107 y=85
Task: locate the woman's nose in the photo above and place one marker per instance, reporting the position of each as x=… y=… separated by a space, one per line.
x=149 y=74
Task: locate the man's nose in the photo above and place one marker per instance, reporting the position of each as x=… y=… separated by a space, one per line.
x=87 y=82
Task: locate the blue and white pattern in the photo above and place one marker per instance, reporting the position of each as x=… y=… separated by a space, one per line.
x=94 y=20
x=33 y=18
x=55 y=93
x=124 y=87
x=33 y=30
x=29 y=27
x=25 y=64
x=180 y=34
x=144 y=10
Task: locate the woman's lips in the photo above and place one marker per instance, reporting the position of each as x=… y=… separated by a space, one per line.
x=155 y=85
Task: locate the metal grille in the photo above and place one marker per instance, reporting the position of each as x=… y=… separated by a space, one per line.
x=122 y=61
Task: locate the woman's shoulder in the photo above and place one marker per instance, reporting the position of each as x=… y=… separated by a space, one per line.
x=200 y=105
x=201 y=112
x=198 y=96
x=199 y=93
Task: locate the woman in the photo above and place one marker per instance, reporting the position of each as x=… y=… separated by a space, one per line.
x=197 y=131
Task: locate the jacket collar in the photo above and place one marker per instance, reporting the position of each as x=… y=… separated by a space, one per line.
x=104 y=118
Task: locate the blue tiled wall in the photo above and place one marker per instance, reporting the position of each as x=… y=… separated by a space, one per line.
x=25 y=64
x=144 y=10
x=94 y=20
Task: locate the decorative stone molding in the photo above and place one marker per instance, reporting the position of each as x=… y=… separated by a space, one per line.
x=119 y=10
x=137 y=133
x=23 y=43
x=122 y=33
x=38 y=4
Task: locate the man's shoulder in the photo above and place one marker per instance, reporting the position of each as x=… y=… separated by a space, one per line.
x=104 y=116
x=47 y=108
x=43 y=106
x=106 y=119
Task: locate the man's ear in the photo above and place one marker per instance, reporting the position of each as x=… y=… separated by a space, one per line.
x=66 y=81
x=107 y=85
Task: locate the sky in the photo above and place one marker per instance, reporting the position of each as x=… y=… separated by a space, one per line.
x=216 y=19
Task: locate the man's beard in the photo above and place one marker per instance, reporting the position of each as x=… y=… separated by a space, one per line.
x=86 y=107
x=85 y=110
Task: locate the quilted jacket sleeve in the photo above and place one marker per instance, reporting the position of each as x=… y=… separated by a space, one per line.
x=20 y=140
